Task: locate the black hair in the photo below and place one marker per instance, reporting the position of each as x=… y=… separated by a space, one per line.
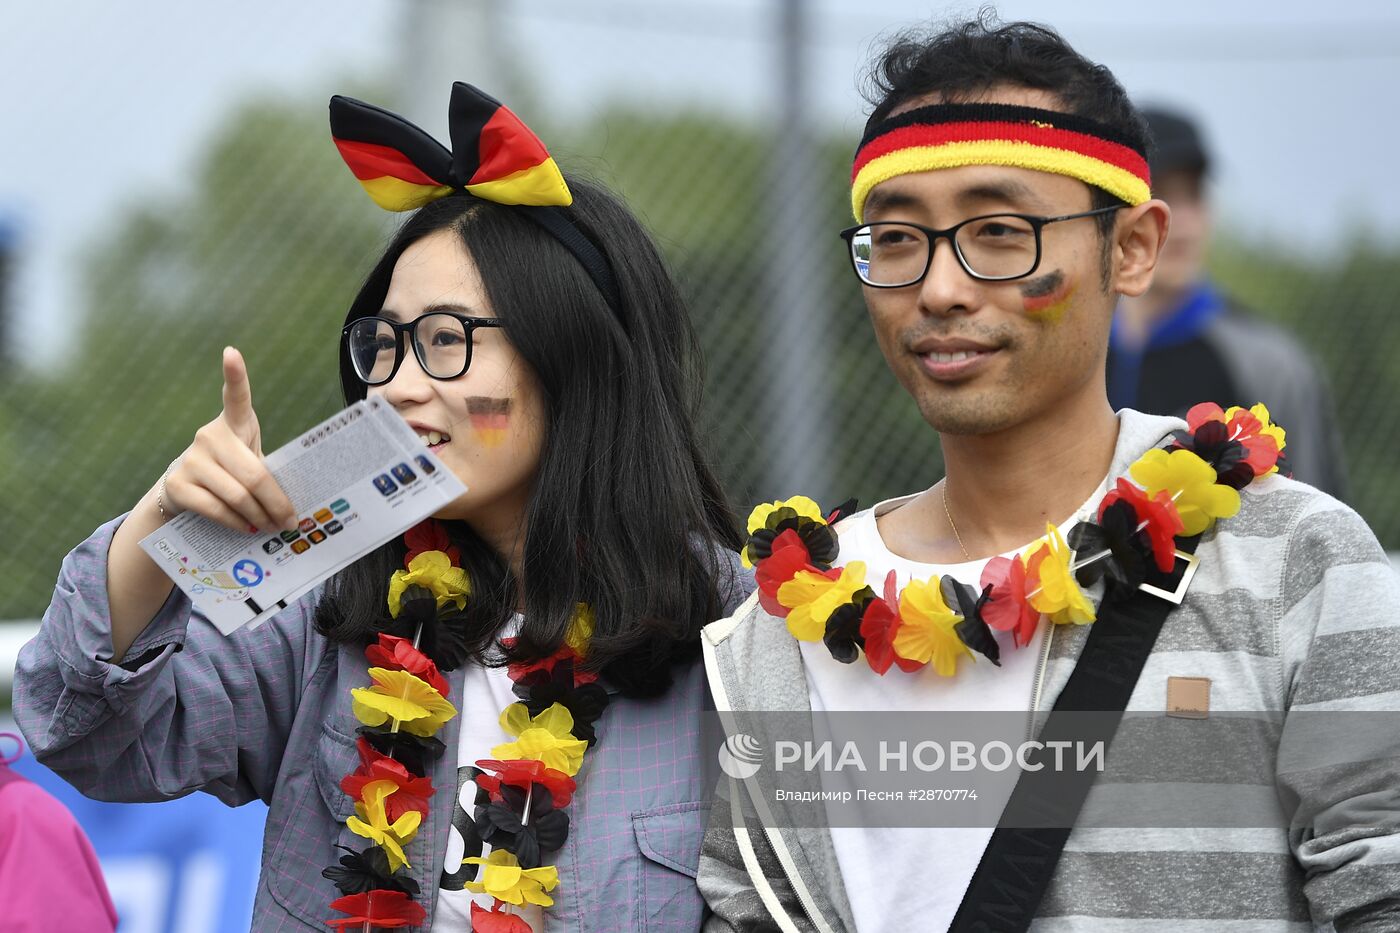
x=960 y=61
x=625 y=514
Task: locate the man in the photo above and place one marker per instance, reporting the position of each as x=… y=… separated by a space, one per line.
x=1183 y=341
x=1002 y=193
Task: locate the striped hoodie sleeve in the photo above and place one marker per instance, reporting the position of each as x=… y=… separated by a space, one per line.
x=1339 y=752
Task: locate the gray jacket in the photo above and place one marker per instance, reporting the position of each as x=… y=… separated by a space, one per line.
x=1293 y=608
x=265 y=714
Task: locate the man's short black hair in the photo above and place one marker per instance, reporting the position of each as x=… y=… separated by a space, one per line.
x=961 y=61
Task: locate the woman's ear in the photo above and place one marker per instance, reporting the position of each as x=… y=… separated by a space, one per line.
x=1140 y=233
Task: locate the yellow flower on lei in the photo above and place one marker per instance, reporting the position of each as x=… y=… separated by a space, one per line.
x=1191 y=483
x=581 y=629
x=371 y=822
x=546 y=738
x=504 y=879
x=811 y=598
x=399 y=695
x=758 y=518
x=1057 y=593
x=926 y=628
x=432 y=570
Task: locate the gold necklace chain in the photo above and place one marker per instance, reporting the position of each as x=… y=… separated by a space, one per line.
x=952 y=524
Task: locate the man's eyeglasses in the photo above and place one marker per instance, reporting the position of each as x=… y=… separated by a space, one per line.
x=442 y=341
x=993 y=248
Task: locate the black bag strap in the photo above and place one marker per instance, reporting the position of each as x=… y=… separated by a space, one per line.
x=1018 y=863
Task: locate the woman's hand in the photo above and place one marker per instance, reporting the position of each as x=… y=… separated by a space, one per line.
x=222 y=474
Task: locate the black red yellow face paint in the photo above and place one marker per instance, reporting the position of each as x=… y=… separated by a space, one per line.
x=1047 y=297
x=489 y=417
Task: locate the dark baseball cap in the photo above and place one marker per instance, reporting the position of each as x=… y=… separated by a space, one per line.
x=1177 y=142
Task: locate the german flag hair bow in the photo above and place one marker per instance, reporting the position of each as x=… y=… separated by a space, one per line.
x=494 y=156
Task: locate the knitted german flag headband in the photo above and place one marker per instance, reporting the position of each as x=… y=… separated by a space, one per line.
x=494 y=156
x=952 y=135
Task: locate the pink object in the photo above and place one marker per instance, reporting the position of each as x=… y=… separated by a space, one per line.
x=49 y=876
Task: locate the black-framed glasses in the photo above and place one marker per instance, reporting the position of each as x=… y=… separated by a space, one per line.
x=992 y=247
x=442 y=342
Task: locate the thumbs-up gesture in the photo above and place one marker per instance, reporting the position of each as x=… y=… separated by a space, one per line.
x=222 y=474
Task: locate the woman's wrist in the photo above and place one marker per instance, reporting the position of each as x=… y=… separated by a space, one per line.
x=163 y=507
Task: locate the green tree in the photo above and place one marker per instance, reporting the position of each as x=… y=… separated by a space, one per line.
x=264 y=251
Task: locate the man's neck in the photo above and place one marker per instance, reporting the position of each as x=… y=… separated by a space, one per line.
x=1003 y=488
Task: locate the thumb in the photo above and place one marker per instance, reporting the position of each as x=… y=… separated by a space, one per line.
x=238 y=397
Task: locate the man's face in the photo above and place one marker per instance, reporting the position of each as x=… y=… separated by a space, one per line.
x=980 y=357
x=1184 y=254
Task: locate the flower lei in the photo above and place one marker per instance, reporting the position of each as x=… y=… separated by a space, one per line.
x=529 y=781
x=1180 y=491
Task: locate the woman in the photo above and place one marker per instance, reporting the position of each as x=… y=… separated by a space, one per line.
x=541 y=351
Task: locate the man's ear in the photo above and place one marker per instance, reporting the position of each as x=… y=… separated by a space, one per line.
x=1139 y=236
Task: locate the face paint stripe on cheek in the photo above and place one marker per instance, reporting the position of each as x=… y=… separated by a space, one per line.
x=1048 y=297
x=490 y=418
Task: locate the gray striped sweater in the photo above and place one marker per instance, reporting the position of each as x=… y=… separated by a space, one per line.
x=1294 y=610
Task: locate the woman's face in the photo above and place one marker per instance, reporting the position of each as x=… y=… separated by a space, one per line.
x=488 y=424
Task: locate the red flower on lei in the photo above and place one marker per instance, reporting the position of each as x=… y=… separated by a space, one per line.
x=497 y=921
x=411 y=792
x=519 y=672
x=1251 y=428
x=430 y=536
x=789 y=555
x=377 y=909
x=878 y=627
x=398 y=654
x=1009 y=610
x=522 y=773
x=1163 y=522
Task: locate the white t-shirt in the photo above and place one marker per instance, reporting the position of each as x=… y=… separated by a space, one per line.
x=907 y=878
x=486 y=692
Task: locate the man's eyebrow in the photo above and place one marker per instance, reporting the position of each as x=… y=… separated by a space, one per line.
x=1007 y=191
x=888 y=199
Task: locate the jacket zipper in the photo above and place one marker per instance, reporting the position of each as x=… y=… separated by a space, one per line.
x=1039 y=680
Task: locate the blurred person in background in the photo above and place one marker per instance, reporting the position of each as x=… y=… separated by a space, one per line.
x=530 y=333
x=1185 y=341
x=50 y=881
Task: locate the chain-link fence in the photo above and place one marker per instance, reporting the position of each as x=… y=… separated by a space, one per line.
x=267 y=243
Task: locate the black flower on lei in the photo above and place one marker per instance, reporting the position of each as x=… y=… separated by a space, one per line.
x=842 y=637
x=505 y=824
x=1124 y=567
x=368 y=871
x=973 y=630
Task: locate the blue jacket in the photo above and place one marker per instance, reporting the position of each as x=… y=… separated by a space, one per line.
x=1208 y=348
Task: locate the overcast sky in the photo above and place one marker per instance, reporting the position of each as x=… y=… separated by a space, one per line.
x=106 y=101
